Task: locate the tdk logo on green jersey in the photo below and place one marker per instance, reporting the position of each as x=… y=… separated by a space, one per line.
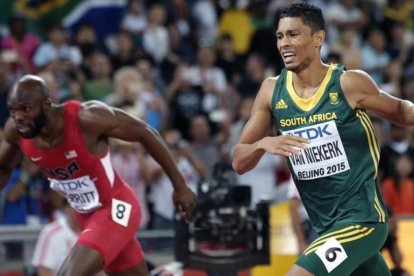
x=313 y=132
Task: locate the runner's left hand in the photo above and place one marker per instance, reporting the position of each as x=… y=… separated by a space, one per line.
x=185 y=201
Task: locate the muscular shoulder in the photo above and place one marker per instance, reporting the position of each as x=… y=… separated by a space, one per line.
x=270 y=82
x=266 y=91
x=96 y=116
x=356 y=85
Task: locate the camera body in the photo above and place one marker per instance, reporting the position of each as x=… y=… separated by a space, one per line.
x=225 y=234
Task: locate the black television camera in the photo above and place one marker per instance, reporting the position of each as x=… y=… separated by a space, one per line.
x=225 y=234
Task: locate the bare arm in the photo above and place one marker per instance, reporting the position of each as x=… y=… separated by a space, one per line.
x=9 y=153
x=362 y=93
x=102 y=120
x=253 y=142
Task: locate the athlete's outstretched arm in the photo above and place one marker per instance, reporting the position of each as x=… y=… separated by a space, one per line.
x=9 y=152
x=105 y=121
x=363 y=93
x=254 y=142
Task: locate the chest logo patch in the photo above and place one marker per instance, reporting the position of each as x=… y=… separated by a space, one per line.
x=333 y=98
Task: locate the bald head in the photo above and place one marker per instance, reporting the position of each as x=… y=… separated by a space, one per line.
x=29 y=105
x=30 y=86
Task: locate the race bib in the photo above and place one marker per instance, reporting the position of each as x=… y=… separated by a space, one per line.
x=332 y=254
x=81 y=193
x=325 y=154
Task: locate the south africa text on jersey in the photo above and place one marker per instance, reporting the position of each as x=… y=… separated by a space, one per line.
x=303 y=120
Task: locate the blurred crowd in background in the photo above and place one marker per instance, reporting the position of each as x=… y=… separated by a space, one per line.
x=191 y=69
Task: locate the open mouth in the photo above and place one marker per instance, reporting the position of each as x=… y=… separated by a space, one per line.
x=23 y=128
x=288 y=56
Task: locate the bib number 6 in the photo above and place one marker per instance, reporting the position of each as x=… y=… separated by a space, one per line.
x=121 y=212
x=332 y=254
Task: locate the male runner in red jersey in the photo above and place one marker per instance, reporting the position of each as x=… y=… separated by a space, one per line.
x=70 y=143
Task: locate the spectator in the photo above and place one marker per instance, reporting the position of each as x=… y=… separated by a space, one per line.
x=398 y=189
x=178 y=13
x=348 y=47
x=209 y=77
x=150 y=99
x=228 y=60
x=20 y=45
x=155 y=38
x=6 y=81
x=88 y=43
x=374 y=57
x=124 y=51
x=398 y=144
x=127 y=83
x=26 y=196
x=55 y=241
x=400 y=45
x=184 y=100
x=344 y=14
x=191 y=168
x=135 y=20
x=205 y=17
x=205 y=146
x=59 y=60
x=179 y=51
x=254 y=74
x=237 y=22
x=56 y=49
x=100 y=86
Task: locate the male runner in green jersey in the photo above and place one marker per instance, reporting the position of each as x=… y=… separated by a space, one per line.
x=319 y=112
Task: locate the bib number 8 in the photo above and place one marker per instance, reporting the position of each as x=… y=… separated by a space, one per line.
x=121 y=212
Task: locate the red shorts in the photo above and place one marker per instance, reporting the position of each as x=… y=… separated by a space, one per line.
x=111 y=231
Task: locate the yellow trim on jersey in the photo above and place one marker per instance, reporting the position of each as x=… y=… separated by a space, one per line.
x=382 y=213
x=371 y=128
x=347 y=237
x=373 y=146
x=366 y=233
x=308 y=104
x=345 y=231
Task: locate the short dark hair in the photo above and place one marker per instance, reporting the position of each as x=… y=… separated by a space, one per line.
x=310 y=15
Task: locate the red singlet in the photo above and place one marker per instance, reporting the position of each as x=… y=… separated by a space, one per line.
x=107 y=208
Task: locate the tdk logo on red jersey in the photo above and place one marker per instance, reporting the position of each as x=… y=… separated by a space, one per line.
x=313 y=132
x=62 y=172
x=73 y=185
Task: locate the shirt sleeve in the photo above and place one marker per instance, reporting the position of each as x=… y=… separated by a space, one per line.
x=47 y=249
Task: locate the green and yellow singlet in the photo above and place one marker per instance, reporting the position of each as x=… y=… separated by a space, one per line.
x=337 y=174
